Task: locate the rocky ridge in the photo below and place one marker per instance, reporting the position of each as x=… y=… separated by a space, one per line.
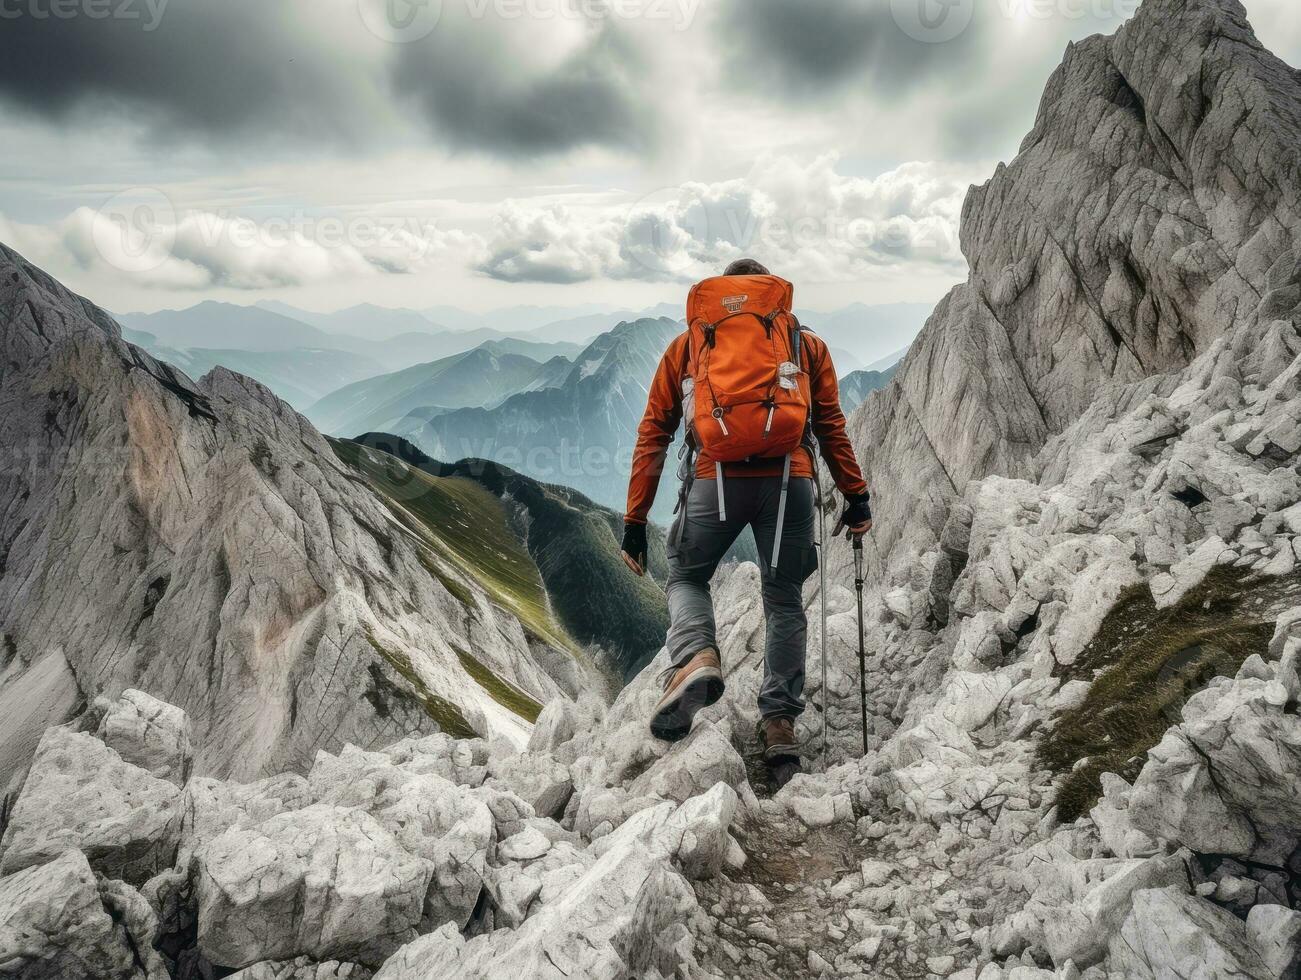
x=202 y=541
x=1152 y=209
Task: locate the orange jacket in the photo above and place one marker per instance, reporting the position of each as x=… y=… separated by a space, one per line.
x=664 y=413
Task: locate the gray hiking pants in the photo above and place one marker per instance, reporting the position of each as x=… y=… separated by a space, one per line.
x=751 y=500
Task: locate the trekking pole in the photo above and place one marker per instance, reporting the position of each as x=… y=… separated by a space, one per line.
x=862 y=655
x=822 y=594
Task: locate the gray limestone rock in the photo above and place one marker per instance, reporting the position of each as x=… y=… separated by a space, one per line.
x=150 y=734
x=80 y=795
x=324 y=882
x=54 y=926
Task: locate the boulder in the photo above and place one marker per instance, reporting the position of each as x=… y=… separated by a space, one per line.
x=1176 y=798
x=604 y=809
x=701 y=760
x=137 y=918
x=537 y=778
x=623 y=916
x=528 y=845
x=302 y=968
x=54 y=926
x=81 y=795
x=1227 y=780
x=560 y=720
x=150 y=734
x=324 y=882
x=1170 y=933
x=1275 y=932
x=431 y=817
x=1103 y=893
x=510 y=814
x=210 y=807
x=462 y=760
x=1111 y=817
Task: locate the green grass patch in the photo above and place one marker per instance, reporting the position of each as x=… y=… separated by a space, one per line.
x=461 y=527
x=383 y=691
x=505 y=694
x=1147 y=663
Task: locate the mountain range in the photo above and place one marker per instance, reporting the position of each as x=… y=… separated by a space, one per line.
x=579 y=432
x=857 y=385
x=391 y=402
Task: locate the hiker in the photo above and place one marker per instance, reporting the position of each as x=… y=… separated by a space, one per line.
x=756 y=390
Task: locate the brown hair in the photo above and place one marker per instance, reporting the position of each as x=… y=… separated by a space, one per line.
x=746 y=267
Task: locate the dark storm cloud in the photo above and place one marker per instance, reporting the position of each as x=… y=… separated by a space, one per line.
x=218 y=68
x=315 y=72
x=474 y=91
x=816 y=46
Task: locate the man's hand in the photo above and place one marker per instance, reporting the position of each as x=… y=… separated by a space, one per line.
x=857 y=518
x=633 y=549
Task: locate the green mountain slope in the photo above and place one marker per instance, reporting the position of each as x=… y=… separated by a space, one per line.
x=573 y=543
x=458 y=523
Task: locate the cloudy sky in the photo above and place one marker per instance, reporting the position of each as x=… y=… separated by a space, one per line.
x=484 y=153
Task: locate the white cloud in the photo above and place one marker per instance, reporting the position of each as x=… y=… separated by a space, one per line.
x=137 y=235
x=801 y=217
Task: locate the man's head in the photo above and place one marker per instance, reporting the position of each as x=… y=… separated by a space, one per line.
x=746 y=267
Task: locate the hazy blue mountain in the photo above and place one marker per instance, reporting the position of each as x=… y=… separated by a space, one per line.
x=585 y=328
x=869 y=332
x=579 y=433
x=856 y=386
x=266 y=327
x=225 y=326
x=480 y=377
x=514 y=319
x=300 y=376
x=417 y=348
x=365 y=320
x=845 y=362
x=888 y=361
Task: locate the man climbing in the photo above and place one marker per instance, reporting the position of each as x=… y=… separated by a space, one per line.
x=755 y=390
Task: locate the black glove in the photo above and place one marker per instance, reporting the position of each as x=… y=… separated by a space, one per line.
x=857 y=518
x=634 y=547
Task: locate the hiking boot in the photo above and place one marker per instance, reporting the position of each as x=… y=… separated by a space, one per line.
x=778 y=737
x=696 y=684
x=782 y=770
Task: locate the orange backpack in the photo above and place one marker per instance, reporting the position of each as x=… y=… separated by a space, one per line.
x=746 y=396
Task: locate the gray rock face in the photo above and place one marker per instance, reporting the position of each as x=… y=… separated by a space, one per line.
x=1144 y=217
x=231 y=566
x=325 y=881
x=80 y=795
x=53 y=925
